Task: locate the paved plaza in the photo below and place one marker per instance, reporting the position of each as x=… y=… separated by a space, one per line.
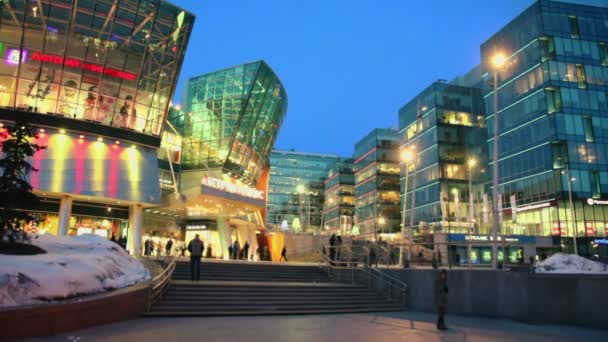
x=397 y=326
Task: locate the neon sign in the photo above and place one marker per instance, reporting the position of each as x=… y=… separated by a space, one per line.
x=232 y=188
x=12 y=56
x=77 y=63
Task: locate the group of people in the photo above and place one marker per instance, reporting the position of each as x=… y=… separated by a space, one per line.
x=151 y=248
x=335 y=248
x=121 y=241
x=237 y=253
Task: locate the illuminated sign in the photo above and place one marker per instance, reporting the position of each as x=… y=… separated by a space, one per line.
x=601 y=241
x=77 y=63
x=232 y=188
x=592 y=201
x=485 y=238
x=196 y=227
x=534 y=206
x=12 y=56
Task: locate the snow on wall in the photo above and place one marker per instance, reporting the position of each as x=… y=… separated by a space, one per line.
x=79 y=265
x=570 y=263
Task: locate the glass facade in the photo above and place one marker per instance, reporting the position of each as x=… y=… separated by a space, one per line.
x=445 y=128
x=552 y=107
x=231 y=120
x=339 y=208
x=296 y=190
x=376 y=170
x=111 y=62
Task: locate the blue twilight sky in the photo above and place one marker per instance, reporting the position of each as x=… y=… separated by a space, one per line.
x=347 y=65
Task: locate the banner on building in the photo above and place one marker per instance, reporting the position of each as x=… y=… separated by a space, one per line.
x=485 y=209
x=589 y=229
x=513 y=208
x=500 y=208
x=442 y=205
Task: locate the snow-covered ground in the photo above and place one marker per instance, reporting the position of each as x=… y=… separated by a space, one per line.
x=72 y=266
x=570 y=263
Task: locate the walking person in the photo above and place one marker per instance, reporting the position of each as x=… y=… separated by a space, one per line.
x=246 y=251
x=230 y=252
x=195 y=247
x=283 y=254
x=168 y=247
x=441 y=298
x=236 y=249
x=332 y=249
x=338 y=248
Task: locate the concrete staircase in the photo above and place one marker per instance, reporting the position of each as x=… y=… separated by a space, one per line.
x=230 y=288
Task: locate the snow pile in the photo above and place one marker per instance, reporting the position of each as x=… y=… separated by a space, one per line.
x=570 y=263
x=72 y=266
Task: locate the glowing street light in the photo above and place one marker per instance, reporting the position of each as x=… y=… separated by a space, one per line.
x=498 y=62
x=407 y=156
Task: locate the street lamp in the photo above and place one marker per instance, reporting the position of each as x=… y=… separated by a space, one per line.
x=471 y=163
x=570 y=180
x=406 y=156
x=498 y=62
x=456 y=208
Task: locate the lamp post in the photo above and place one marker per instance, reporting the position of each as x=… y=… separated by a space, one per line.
x=406 y=157
x=456 y=203
x=471 y=164
x=498 y=62
x=575 y=231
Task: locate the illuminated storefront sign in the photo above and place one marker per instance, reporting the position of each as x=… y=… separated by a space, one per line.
x=196 y=227
x=232 y=188
x=601 y=241
x=535 y=206
x=76 y=63
x=12 y=56
x=485 y=238
x=592 y=201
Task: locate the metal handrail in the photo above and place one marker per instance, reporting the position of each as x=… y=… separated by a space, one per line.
x=161 y=282
x=392 y=283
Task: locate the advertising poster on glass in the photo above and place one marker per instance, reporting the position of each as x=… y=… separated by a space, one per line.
x=68 y=95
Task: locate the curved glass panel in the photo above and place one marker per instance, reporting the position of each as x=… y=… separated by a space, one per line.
x=231 y=120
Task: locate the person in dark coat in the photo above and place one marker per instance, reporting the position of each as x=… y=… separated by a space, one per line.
x=230 y=251
x=168 y=247
x=283 y=254
x=246 y=251
x=338 y=247
x=332 y=249
x=441 y=297
x=196 y=248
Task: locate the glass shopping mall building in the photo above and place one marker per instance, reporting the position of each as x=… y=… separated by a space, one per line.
x=215 y=158
x=95 y=79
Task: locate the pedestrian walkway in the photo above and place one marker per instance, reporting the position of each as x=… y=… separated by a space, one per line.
x=392 y=326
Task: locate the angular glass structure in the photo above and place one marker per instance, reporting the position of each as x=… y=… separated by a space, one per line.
x=231 y=120
x=109 y=62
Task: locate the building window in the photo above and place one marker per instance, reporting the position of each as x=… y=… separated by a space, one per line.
x=547 y=48
x=588 y=126
x=604 y=54
x=554 y=100
x=559 y=154
x=574 y=32
x=594 y=180
x=581 y=77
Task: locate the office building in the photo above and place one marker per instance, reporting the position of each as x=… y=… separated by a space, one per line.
x=296 y=190
x=339 y=208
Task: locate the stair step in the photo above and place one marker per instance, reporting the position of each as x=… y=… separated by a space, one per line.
x=277 y=308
